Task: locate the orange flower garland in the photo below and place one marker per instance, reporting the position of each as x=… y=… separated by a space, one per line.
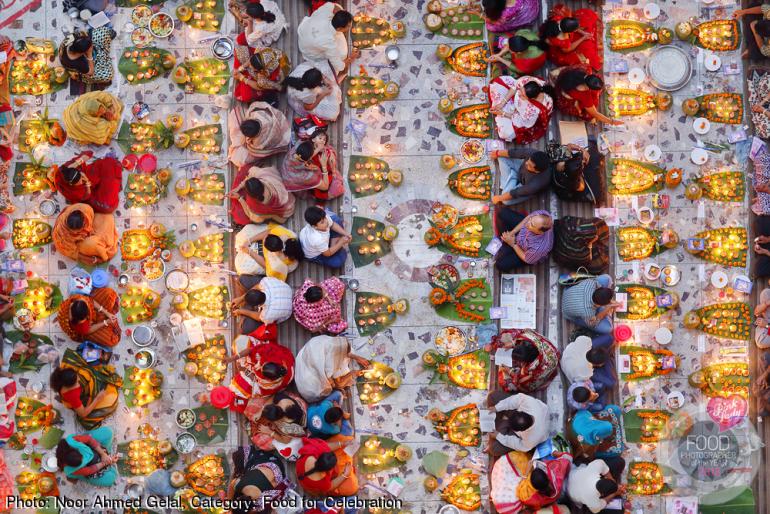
x=645 y=478
x=653 y=426
x=718 y=35
x=471 y=121
x=472 y=183
x=438 y=296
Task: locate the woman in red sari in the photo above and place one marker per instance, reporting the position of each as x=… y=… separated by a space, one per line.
x=324 y=469
x=526 y=51
x=578 y=92
x=522 y=108
x=312 y=165
x=535 y=361
x=259 y=71
x=259 y=195
x=97 y=184
x=573 y=38
x=270 y=364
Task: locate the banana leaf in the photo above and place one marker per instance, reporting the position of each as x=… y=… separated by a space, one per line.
x=134 y=60
x=28 y=362
x=211 y=425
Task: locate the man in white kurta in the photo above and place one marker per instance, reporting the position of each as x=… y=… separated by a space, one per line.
x=535 y=434
x=319 y=41
x=581 y=486
x=574 y=363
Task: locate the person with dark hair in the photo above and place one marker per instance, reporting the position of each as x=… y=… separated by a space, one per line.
x=573 y=37
x=578 y=92
x=89 y=389
x=535 y=360
x=527 y=53
x=259 y=478
x=507 y=15
x=323 y=239
x=258 y=195
x=528 y=239
x=312 y=90
x=525 y=172
x=86 y=57
x=522 y=108
x=257 y=133
x=521 y=422
x=268 y=301
x=91 y=318
x=312 y=166
x=277 y=422
x=263 y=22
x=589 y=304
x=760 y=29
x=325 y=469
x=586 y=359
x=322 y=36
x=259 y=71
x=318 y=308
x=326 y=418
x=593 y=486
x=266 y=367
x=582 y=396
x=519 y=483
x=271 y=250
x=87 y=457
x=97 y=184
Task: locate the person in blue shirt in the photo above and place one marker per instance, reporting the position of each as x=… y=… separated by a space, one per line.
x=326 y=418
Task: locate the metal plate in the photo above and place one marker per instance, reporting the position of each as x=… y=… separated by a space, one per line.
x=669 y=68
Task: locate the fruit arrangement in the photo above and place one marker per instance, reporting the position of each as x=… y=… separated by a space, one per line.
x=468 y=236
x=472 y=183
x=717 y=35
x=470 y=59
x=471 y=121
x=378 y=381
x=145 y=189
x=139 y=243
x=143 y=65
x=716 y=107
x=378 y=453
x=208 y=360
x=648 y=363
x=723 y=379
x=208 y=76
x=207 y=475
x=726 y=246
x=464 y=491
x=645 y=478
x=210 y=302
x=369 y=242
x=141 y=457
x=207 y=189
x=730 y=320
x=41 y=299
x=459 y=426
x=40 y=129
x=723 y=186
x=33 y=415
x=369 y=175
x=632 y=36
x=30 y=233
x=365 y=91
x=456 y=22
x=643 y=301
x=635 y=243
x=469 y=370
x=211 y=248
x=30 y=177
x=469 y=301
x=369 y=31
x=203 y=14
x=31 y=72
x=138 y=304
x=629 y=177
x=202 y=139
x=135 y=137
x=141 y=386
x=375 y=312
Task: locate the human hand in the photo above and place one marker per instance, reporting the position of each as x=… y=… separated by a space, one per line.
x=355 y=53
x=497 y=199
x=617 y=123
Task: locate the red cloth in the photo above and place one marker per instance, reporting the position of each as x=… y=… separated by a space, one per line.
x=316 y=4
x=312 y=447
x=266 y=333
x=265 y=353
x=244 y=92
x=106 y=181
x=528 y=66
x=525 y=136
x=579 y=101
x=82 y=327
x=557 y=471
x=72 y=398
x=588 y=51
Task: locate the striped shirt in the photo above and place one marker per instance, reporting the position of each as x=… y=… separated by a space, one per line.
x=536 y=247
x=277 y=307
x=577 y=302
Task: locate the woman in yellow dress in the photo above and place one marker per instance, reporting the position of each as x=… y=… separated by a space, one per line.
x=93 y=118
x=87 y=237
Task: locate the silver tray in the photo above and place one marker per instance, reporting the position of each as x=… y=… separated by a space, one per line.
x=669 y=68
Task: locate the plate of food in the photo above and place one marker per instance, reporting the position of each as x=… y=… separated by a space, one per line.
x=645 y=215
x=185 y=443
x=141 y=37
x=636 y=76
x=444 y=276
x=141 y=15
x=144 y=359
x=444 y=216
x=450 y=341
x=699 y=156
x=675 y=400
x=652 y=271
x=472 y=151
x=177 y=281
x=161 y=25
x=152 y=268
x=670 y=275
x=651 y=11
x=719 y=279
x=185 y=418
x=712 y=62
x=652 y=153
x=701 y=126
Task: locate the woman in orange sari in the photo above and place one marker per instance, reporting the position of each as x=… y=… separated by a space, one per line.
x=573 y=37
x=93 y=318
x=87 y=237
x=322 y=471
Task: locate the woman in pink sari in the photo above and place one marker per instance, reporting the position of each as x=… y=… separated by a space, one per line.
x=506 y=15
x=312 y=165
x=258 y=195
x=522 y=108
x=257 y=133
